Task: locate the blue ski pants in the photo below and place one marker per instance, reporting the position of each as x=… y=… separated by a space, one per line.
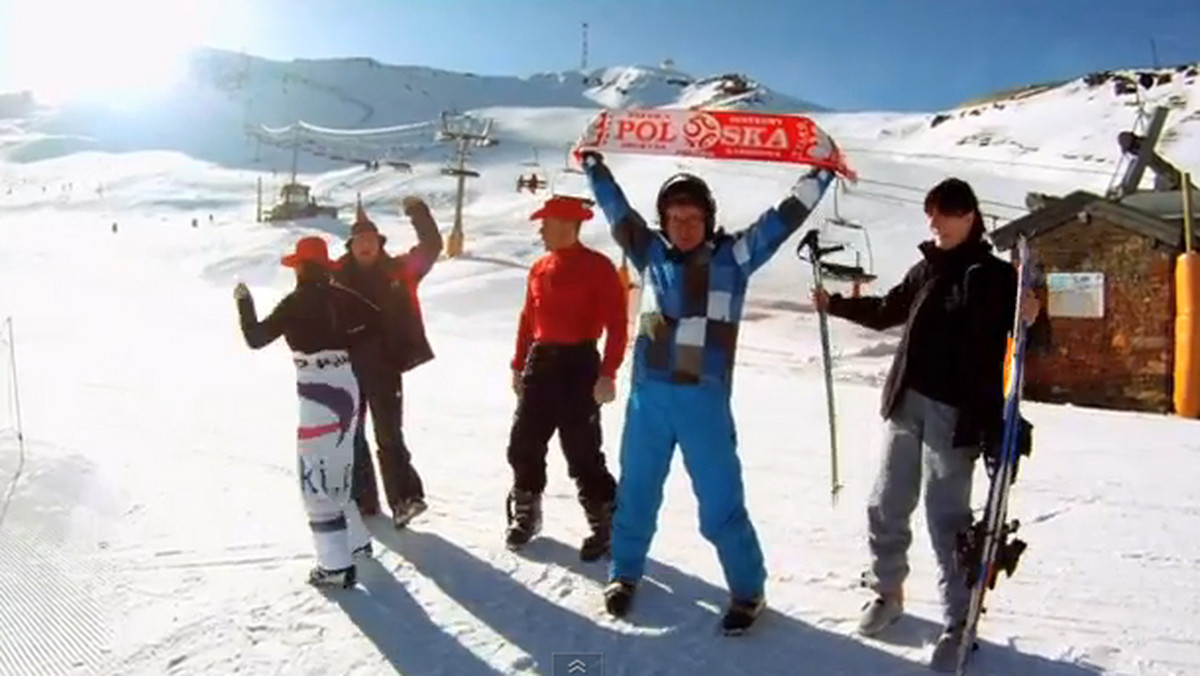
x=698 y=418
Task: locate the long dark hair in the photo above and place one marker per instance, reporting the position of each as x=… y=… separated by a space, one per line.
x=954 y=197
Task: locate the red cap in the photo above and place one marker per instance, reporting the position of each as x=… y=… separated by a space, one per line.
x=566 y=208
x=310 y=250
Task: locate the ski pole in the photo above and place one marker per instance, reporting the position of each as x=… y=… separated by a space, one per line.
x=811 y=242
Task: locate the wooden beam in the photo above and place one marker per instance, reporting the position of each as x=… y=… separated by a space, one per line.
x=1135 y=172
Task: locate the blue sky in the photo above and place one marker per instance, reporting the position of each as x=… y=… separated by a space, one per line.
x=848 y=54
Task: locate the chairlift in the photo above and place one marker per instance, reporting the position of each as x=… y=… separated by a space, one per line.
x=570 y=182
x=837 y=219
x=532 y=183
x=855 y=274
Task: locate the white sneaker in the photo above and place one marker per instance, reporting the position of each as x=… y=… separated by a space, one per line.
x=879 y=613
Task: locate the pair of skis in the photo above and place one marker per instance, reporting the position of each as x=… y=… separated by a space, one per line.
x=987 y=547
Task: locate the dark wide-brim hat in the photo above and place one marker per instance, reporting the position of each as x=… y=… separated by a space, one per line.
x=362 y=225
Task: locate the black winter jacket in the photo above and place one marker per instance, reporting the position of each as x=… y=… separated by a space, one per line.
x=315 y=316
x=957 y=308
x=391 y=284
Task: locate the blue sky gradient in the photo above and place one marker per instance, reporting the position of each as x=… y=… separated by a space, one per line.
x=846 y=54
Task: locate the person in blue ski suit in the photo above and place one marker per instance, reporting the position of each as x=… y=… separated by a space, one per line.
x=694 y=286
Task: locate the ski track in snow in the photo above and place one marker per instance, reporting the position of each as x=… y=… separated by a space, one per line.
x=158 y=528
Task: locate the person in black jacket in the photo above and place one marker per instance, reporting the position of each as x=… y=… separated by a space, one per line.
x=390 y=282
x=943 y=399
x=327 y=327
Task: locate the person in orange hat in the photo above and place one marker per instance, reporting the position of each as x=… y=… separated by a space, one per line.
x=327 y=327
x=390 y=282
x=573 y=294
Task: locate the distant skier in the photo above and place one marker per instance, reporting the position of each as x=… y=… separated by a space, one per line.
x=695 y=279
x=943 y=401
x=390 y=282
x=573 y=294
x=324 y=324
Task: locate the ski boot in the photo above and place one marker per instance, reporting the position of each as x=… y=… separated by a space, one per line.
x=524 y=509
x=596 y=545
x=406 y=510
x=741 y=615
x=618 y=596
x=343 y=578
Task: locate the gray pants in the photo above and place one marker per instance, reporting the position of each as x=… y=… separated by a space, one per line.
x=920 y=436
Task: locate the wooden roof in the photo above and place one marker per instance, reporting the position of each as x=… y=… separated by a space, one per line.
x=1059 y=211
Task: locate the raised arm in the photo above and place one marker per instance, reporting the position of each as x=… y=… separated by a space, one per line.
x=420 y=258
x=260 y=334
x=629 y=229
x=755 y=245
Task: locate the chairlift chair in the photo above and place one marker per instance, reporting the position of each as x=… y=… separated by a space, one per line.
x=855 y=274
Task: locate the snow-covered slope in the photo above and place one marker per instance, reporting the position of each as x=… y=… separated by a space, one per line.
x=149 y=523
x=1072 y=124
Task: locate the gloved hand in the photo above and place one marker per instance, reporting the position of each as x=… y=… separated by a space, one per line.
x=820 y=300
x=411 y=203
x=240 y=291
x=589 y=156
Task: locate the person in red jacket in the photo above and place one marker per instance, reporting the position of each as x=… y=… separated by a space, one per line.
x=560 y=379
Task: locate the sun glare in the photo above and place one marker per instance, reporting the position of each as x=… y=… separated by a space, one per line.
x=111 y=51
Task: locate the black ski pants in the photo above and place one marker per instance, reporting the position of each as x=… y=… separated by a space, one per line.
x=383 y=395
x=558 y=381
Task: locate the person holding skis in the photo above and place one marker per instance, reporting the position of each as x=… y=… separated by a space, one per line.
x=390 y=282
x=328 y=328
x=573 y=294
x=695 y=279
x=943 y=401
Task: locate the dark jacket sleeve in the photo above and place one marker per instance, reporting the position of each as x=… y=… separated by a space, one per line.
x=991 y=299
x=260 y=334
x=880 y=313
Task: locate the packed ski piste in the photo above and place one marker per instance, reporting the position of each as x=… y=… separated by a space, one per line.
x=354 y=327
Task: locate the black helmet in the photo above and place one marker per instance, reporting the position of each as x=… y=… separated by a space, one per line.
x=688 y=189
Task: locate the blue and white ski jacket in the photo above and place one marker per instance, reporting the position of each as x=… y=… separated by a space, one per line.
x=691 y=304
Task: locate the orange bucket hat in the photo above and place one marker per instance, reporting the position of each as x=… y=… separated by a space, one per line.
x=566 y=208
x=311 y=250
